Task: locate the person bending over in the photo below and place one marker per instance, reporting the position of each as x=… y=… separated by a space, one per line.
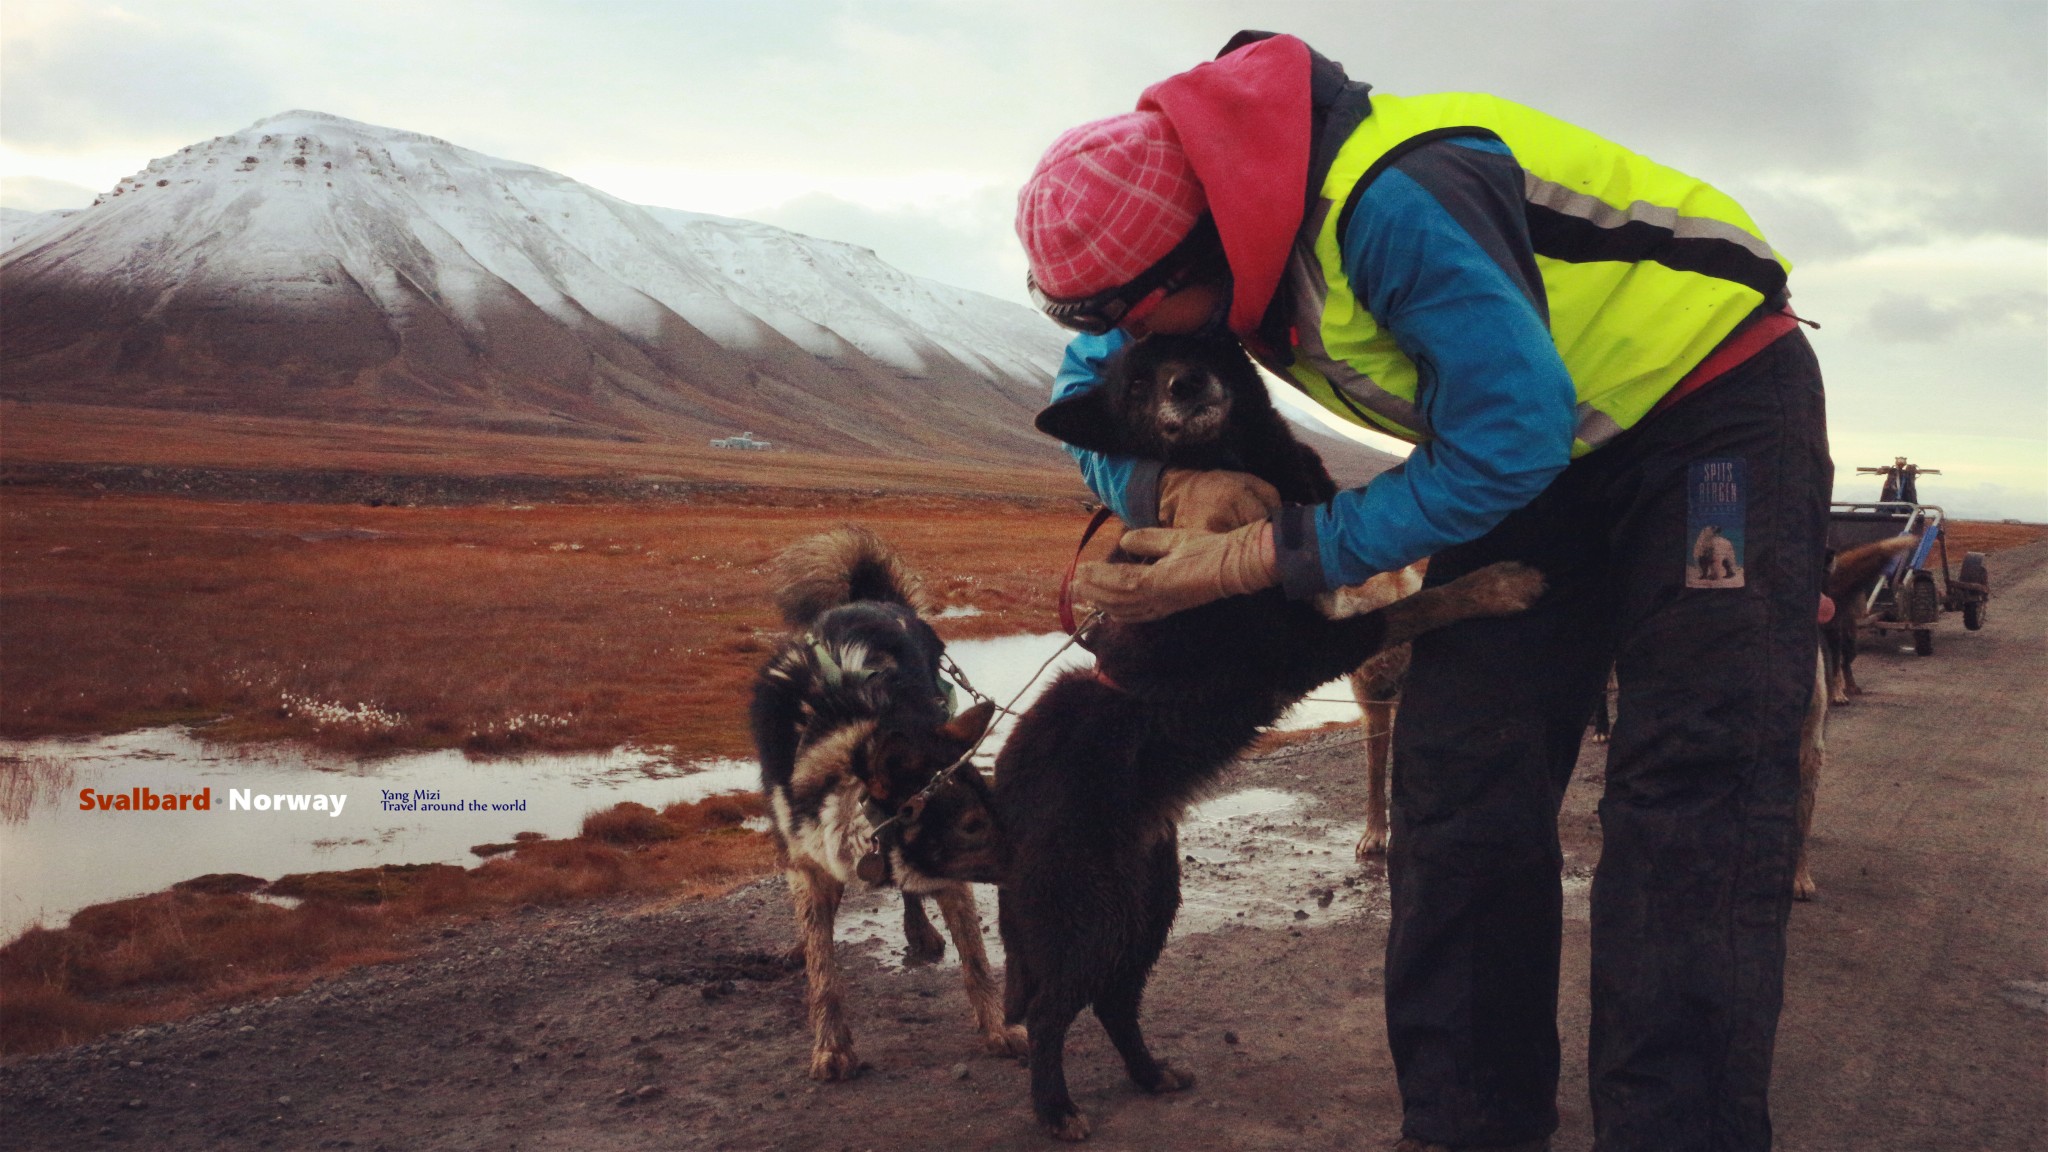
x=1594 y=358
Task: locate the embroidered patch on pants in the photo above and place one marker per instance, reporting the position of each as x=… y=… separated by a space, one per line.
x=1715 y=502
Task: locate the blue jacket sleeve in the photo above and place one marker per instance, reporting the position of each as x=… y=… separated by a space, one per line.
x=1129 y=486
x=1438 y=250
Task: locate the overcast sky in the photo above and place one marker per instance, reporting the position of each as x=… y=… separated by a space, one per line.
x=1897 y=152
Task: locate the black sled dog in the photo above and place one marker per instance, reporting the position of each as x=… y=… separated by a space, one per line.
x=1093 y=781
x=851 y=721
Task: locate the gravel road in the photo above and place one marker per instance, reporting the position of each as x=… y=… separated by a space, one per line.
x=1916 y=1012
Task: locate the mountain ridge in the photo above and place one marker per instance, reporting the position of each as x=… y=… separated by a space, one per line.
x=313 y=264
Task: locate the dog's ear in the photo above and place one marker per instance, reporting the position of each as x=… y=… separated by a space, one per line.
x=873 y=761
x=1085 y=421
x=968 y=726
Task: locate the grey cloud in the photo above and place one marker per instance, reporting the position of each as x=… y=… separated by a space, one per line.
x=1906 y=318
x=82 y=83
x=1801 y=226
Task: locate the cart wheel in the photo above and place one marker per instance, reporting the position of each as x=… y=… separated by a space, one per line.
x=1922 y=604
x=1977 y=587
x=1923 y=641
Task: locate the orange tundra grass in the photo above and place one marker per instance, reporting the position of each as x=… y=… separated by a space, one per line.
x=489 y=628
x=205 y=944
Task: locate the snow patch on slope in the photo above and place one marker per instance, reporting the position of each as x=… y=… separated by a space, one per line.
x=19 y=224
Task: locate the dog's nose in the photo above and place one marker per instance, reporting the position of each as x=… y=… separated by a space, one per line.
x=1187 y=384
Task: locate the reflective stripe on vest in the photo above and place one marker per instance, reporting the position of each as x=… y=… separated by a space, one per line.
x=1645 y=269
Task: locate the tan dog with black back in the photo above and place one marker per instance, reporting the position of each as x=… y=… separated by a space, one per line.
x=851 y=721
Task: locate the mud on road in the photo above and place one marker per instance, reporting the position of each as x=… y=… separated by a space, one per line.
x=1916 y=1009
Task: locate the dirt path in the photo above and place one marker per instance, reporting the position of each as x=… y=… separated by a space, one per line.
x=1916 y=1018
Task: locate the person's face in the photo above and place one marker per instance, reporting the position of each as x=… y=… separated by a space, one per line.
x=1181 y=314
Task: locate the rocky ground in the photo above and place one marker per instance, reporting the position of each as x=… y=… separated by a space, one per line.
x=1916 y=1011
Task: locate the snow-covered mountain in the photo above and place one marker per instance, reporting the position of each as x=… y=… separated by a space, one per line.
x=19 y=223
x=312 y=265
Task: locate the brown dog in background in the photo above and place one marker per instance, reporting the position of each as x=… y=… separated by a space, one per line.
x=1849 y=584
x=1376 y=685
x=1851 y=576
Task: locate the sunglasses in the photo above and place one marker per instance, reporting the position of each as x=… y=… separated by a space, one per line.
x=1197 y=255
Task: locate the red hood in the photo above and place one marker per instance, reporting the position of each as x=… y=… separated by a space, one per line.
x=1244 y=123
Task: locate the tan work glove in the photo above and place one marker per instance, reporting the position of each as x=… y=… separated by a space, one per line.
x=1213 y=501
x=1192 y=569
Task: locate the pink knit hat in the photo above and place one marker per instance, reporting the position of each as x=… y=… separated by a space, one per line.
x=1107 y=201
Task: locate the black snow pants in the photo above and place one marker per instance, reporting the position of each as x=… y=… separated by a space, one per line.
x=1688 y=553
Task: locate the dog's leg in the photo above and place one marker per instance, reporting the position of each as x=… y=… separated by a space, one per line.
x=1833 y=648
x=963 y=923
x=1336 y=647
x=1019 y=989
x=1116 y=1005
x=1378 y=720
x=816 y=894
x=1117 y=1008
x=1813 y=751
x=1046 y=1009
x=922 y=943
x=1049 y=1097
x=1495 y=590
x=1603 y=720
x=1849 y=687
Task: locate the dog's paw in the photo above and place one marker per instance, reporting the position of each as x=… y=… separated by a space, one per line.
x=1167 y=1079
x=1838 y=699
x=1501 y=589
x=835 y=1064
x=1072 y=1127
x=927 y=947
x=1013 y=1040
x=1803 y=887
x=1373 y=843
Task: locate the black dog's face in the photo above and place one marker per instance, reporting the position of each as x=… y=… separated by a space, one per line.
x=1166 y=398
x=1180 y=400
x=950 y=832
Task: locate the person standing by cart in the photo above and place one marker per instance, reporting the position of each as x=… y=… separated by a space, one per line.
x=1593 y=356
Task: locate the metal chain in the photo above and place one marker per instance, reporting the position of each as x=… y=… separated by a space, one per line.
x=958 y=675
x=916 y=801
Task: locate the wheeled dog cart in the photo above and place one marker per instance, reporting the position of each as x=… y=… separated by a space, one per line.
x=1907 y=597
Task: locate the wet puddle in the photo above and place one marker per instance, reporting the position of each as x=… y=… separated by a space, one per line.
x=1002 y=666
x=1259 y=858
x=57 y=857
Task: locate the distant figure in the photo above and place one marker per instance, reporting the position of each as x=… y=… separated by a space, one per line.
x=1901 y=480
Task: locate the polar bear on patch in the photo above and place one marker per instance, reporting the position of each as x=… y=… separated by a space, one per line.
x=1713 y=559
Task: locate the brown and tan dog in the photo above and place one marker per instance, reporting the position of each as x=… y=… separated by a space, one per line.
x=1851 y=576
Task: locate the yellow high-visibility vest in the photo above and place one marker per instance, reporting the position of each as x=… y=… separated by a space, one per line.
x=1646 y=269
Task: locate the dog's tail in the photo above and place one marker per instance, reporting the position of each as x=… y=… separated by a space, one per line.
x=838 y=567
x=1856 y=570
